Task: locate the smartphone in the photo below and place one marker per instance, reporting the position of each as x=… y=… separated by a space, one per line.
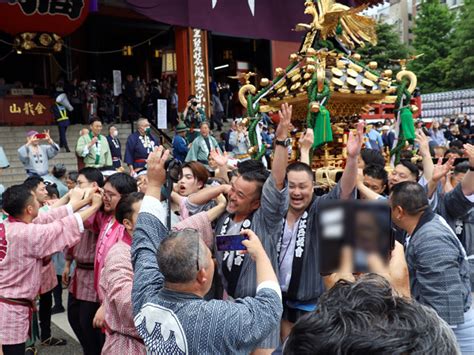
x=364 y=227
x=230 y=242
x=40 y=136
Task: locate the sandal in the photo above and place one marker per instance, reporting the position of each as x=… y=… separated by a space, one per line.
x=31 y=350
x=54 y=342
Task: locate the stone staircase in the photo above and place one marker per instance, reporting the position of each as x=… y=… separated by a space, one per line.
x=12 y=138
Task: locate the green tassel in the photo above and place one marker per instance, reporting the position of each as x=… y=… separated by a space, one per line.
x=323 y=130
x=407 y=124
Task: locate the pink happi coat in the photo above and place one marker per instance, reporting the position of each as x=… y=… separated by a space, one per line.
x=116 y=288
x=21 y=264
x=82 y=280
x=110 y=232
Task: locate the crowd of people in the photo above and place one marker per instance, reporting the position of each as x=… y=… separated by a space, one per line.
x=137 y=245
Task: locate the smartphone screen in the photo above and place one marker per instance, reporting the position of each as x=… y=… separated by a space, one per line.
x=40 y=136
x=230 y=242
x=363 y=226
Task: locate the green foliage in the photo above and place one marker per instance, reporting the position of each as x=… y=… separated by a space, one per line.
x=389 y=46
x=434 y=37
x=461 y=60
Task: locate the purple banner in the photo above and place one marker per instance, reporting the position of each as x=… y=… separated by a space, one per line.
x=268 y=19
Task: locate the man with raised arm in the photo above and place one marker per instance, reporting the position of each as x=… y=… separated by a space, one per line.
x=171 y=315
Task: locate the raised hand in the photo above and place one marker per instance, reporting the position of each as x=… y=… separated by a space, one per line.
x=354 y=143
x=97 y=199
x=156 y=172
x=441 y=170
x=396 y=272
x=221 y=159
x=469 y=151
x=306 y=140
x=423 y=142
x=76 y=194
x=253 y=244
x=285 y=113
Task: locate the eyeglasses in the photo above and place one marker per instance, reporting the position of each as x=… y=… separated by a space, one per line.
x=197 y=254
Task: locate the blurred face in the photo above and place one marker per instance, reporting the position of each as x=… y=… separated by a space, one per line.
x=453 y=155
x=70 y=184
x=208 y=268
x=300 y=189
x=435 y=124
x=33 y=205
x=96 y=128
x=374 y=184
x=142 y=183
x=131 y=223
x=188 y=184
x=243 y=197
x=112 y=131
x=204 y=130
x=41 y=193
x=457 y=178
x=111 y=198
x=83 y=183
x=400 y=174
x=143 y=126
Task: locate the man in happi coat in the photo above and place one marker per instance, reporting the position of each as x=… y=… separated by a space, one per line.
x=117 y=275
x=93 y=147
x=26 y=238
x=83 y=301
x=108 y=228
x=171 y=314
x=139 y=144
x=298 y=248
x=202 y=146
x=115 y=147
x=260 y=204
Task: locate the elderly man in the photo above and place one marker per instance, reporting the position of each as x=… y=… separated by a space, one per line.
x=139 y=145
x=93 y=147
x=171 y=315
x=437 y=262
x=180 y=144
x=35 y=156
x=202 y=146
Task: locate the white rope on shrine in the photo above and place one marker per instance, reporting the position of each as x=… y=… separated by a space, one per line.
x=115 y=50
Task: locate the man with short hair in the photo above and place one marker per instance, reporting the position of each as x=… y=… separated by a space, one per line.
x=115 y=147
x=83 y=301
x=139 y=145
x=298 y=247
x=28 y=237
x=368 y=316
x=259 y=203
x=375 y=178
x=171 y=315
x=93 y=147
x=202 y=146
x=437 y=262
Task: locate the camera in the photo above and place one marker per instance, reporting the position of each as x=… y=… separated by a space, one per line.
x=194 y=103
x=173 y=168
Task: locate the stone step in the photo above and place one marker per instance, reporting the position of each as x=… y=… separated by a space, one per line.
x=11 y=138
